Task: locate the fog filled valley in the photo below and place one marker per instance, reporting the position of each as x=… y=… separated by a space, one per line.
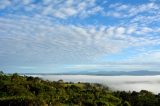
x=126 y=83
x=79 y=52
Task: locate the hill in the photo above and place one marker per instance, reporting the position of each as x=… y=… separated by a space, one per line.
x=16 y=90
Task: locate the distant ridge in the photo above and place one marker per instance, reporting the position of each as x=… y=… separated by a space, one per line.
x=102 y=73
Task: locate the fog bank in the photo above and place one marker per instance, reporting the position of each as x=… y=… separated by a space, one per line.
x=127 y=83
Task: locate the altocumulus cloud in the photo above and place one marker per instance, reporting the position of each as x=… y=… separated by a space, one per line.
x=56 y=8
x=31 y=40
x=50 y=31
x=28 y=40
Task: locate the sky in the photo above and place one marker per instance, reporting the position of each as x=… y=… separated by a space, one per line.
x=39 y=36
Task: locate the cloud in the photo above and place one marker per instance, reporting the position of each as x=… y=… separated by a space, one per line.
x=32 y=40
x=4 y=4
x=62 y=9
x=85 y=67
x=152 y=56
x=58 y=32
x=129 y=65
x=72 y=8
x=28 y=39
x=142 y=14
x=127 y=83
x=127 y=10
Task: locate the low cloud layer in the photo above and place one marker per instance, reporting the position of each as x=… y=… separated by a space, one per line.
x=127 y=83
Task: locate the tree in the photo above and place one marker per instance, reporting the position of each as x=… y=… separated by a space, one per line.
x=1 y=72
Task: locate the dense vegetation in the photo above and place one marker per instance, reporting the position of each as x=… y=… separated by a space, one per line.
x=18 y=90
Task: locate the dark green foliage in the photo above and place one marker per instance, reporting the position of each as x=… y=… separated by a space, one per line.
x=20 y=101
x=18 y=90
x=142 y=98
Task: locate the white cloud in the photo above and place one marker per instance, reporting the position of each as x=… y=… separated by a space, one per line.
x=148 y=7
x=56 y=8
x=120 y=31
x=75 y=8
x=122 y=83
x=131 y=30
x=4 y=4
x=147 y=57
x=85 y=67
x=143 y=14
x=127 y=10
x=26 y=2
x=46 y=38
x=28 y=40
x=116 y=66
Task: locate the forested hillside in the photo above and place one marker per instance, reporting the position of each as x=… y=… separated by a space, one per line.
x=18 y=90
